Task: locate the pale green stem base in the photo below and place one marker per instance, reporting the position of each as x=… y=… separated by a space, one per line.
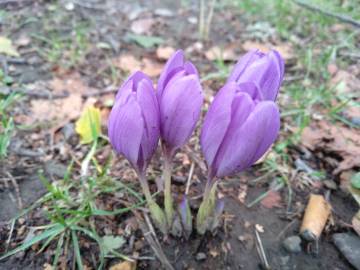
x=206 y=208
x=157 y=213
x=168 y=200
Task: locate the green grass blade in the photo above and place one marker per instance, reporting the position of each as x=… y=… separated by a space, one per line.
x=77 y=250
x=58 y=251
x=94 y=236
x=48 y=233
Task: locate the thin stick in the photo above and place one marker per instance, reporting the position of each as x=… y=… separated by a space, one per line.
x=340 y=17
x=261 y=251
x=17 y=190
x=209 y=19
x=201 y=18
x=188 y=183
x=150 y=236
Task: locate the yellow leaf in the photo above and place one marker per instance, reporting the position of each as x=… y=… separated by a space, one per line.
x=89 y=125
x=6 y=47
x=126 y=265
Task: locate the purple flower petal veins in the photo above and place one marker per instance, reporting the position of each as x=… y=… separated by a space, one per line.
x=180 y=99
x=265 y=70
x=134 y=122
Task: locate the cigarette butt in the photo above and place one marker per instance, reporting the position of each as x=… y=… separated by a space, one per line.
x=316 y=215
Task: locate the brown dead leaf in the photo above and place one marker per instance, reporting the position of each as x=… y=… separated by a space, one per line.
x=226 y=54
x=345 y=82
x=126 y=265
x=284 y=49
x=151 y=67
x=272 y=199
x=164 y=53
x=61 y=109
x=326 y=137
x=130 y=64
x=127 y=62
x=142 y=26
x=58 y=109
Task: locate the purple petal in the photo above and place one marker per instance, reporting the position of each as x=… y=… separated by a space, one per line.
x=175 y=61
x=216 y=122
x=126 y=127
x=150 y=113
x=129 y=85
x=251 y=89
x=228 y=158
x=243 y=63
x=180 y=108
x=267 y=73
x=247 y=143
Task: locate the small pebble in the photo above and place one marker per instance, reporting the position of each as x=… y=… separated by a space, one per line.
x=200 y=256
x=292 y=244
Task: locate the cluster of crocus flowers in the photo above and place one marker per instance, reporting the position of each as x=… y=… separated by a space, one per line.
x=241 y=124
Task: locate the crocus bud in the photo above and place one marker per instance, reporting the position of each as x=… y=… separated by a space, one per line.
x=180 y=99
x=186 y=217
x=238 y=129
x=134 y=125
x=265 y=70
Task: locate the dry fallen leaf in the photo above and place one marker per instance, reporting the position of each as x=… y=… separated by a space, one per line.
x=151 y=67
x=272 y=199
x=284 y=49
x=130 y=64
x=142 y=26
x=61 y=109
x=226 y=54
x=126 y=265
x=164 y=53
x=344 y=82
x=328 y=138
x=127 y=62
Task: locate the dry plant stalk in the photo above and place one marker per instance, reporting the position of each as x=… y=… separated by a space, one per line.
x=316 y=215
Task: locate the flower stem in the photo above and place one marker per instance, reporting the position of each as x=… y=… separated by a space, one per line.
x=168 y=201
x=156 y=213
x=206 y=208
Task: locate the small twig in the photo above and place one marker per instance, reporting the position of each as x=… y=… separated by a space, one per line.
x=150 y=236
x=209 y=19
x=261 y=251
x=17 y=190
x=338 y=16
x=12 y=226
x=188 y=183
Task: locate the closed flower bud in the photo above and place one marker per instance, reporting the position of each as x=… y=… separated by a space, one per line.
x=180 y=99
x=265 y=70
x=238 y=129
x=134 y=126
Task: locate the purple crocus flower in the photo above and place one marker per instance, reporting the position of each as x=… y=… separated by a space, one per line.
x=265 y=70
x=238 y=128
x=180 y=99
x=134 y=125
